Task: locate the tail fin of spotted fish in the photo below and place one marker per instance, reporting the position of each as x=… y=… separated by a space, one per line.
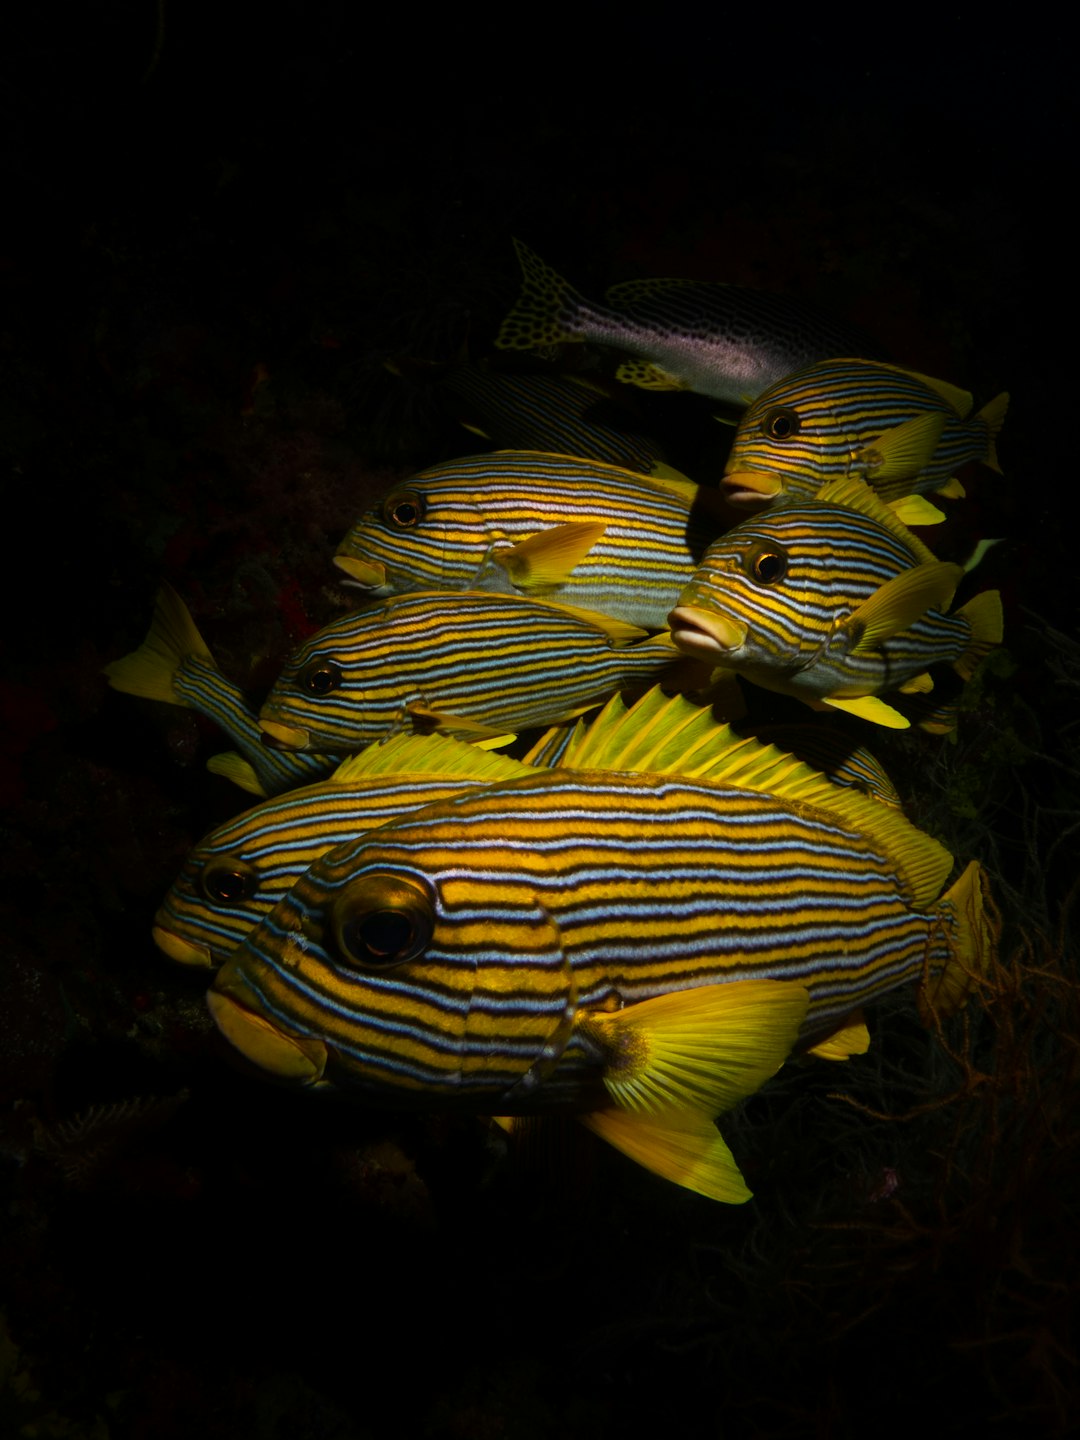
x=546 y=308
x=972 y=925
x=151 y=670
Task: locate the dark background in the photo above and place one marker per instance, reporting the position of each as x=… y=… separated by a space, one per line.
x=216 y=232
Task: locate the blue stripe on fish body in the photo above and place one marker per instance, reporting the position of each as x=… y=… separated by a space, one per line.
x=452 y=661
x=450 y=527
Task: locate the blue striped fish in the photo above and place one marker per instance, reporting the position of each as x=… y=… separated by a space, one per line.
x=560 y=414
x=643 y=949
x=903 y=433
x=720 y=340
x=239 y=872
x=466 y=663
x=174 y=664
x=551 y=526
x=833 y=601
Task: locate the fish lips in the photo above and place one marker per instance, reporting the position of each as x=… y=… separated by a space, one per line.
x=184 y=952
x=363 y=574
x=297 y=1058
x=277 y=736
x=705 y=635
x=751 y=488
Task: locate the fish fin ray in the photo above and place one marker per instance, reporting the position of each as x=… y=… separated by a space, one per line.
x=685 y=1148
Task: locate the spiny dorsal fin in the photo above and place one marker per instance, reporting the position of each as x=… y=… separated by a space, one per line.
x=854 y=494
x=439 y=755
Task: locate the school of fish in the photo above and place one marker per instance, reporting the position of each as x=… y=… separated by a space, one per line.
x=666 y=892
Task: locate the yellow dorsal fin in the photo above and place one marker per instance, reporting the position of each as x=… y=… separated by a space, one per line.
x=869 y=707
x=852 y=1038
x=670 y=735
x=685 y=1148
x=701 y=1050
x=959 y=400
x=992 y=415
x=903 y=451
x=439 y=755
x=150 y=671
x=234 y=767
x=916 y=510
x=548 y=559
x=666 y=477
x=857 y=495
x=897 y=604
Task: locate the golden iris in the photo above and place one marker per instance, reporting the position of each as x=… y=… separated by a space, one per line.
x=780 y=423
x=228 y=882
x=381 y=920
x=403 y=511
x=766 y=562
x=320 y=677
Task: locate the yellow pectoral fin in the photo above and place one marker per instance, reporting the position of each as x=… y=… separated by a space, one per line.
x=426 y=718
x=852 y=1039
x=905 y=450
x=684 y=1147
x=234 y=767
x=548 y=559
x=900 y=601
x=702 y=1049
x=916 y=510
x=869 y=707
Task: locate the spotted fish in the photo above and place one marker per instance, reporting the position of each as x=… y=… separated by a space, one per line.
x=551 y=526
x=833 y=601
x=720 y=340
x=174 y=664
x=469 y=664
x=643 y=949
x=901 y=432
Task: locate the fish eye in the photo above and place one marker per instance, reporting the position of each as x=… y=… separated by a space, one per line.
x=780 y=423
x=766 y=562
x=320 y=677
x=403 y=511
x=228 y=882
x=382 y=920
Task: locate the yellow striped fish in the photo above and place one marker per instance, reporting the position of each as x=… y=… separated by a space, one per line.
x=174 y=664
x=833 y=601
x=640 y=948
x=467 y=663
x=239 y=872
x=901 y=432
x=552 y=526
x=720 y=340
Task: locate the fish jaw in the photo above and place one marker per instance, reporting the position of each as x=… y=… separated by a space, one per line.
x=284 y=737
x=288 y=1057
x=366 y=574
x=184 y=952
x=705 y=635
x=751 y=488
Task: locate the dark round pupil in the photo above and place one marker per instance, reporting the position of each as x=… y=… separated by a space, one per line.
x=228 y=885
x=781 y=427
x=405 y=513
x=385 y=933
x=768 y=568
x=321 y=679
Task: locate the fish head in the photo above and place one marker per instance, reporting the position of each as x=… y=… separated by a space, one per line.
x=798 y=434
x=212 y=904
x=321 y=701
x=426 y=533
x=390 y=971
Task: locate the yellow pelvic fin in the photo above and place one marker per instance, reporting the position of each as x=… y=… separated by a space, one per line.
x=918 y=684
x=984 y=614
x=898 y=603
x=234 y=767
x=438 y=755
x=853 y=1038
x=548 y=559
x=426 y=719
x=701 y=1050
x=952 y=489
x=972 y=924
x=544 y=311
x=916 y=510
x=992 y=415
x=869 y=707
x=685 y=1147
x=902 y=452
x=647 y=376
x=150 y=671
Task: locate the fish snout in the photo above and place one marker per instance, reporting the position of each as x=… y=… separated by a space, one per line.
x=751 y=488
x=289 y=1057
x=369 y=574
x=184 y=952
x=703 y=634
x=283 y=737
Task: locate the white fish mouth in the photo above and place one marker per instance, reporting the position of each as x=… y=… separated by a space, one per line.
x=751 y=487
x=704 y=635
x=367 y=574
